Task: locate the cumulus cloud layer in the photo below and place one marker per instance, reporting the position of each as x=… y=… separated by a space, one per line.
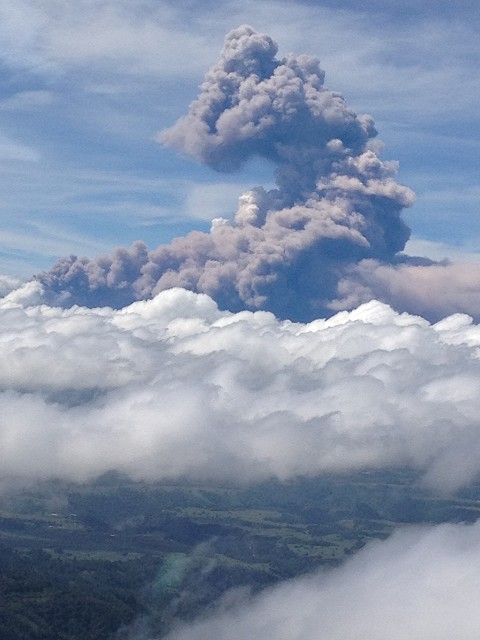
x=172 y=387
x=421 y=584
x=336 y=201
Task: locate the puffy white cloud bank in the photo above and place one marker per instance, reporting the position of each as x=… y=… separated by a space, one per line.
x=172 y=387
x=421 y=584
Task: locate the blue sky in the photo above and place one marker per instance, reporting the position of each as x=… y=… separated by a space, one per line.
x=87 y=85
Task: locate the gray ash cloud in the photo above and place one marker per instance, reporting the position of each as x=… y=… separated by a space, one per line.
x=336 y=202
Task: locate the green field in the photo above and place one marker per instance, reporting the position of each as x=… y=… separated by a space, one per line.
x=89 y=561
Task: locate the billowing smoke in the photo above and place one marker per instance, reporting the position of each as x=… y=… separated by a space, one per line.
x=157 y=382
x=430 y=290
x=335 y=202
x=173 y=387
x=421 y=584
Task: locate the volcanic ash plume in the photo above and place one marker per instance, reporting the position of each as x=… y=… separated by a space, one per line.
x=335 y=204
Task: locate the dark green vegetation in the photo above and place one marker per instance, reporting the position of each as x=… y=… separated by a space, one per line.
x=96 y=561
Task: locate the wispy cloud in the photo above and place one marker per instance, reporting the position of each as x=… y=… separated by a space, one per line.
x=421 y=584
x=13 y=150
x=51 y=37
x=438 y=251
x=27 y=100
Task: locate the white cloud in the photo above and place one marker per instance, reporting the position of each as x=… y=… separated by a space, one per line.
x=421 y=584
x=173 y=387
x=208 y=201
x=27 y=100
x=48 y=241
x=40 y=200
x=358 y=47
x=8 y=284
x=13 y=150
x=442 y=251
x=50 y=36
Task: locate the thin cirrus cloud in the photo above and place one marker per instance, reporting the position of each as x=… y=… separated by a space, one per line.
x=15 y=151
x=49 y=37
